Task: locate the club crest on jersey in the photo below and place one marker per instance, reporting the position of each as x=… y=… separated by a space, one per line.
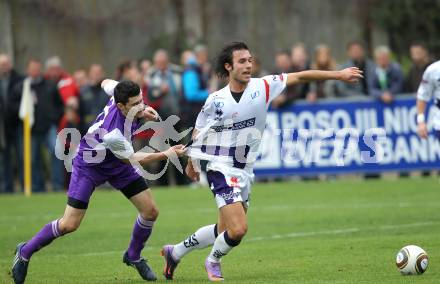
x=255 y=94
x=218 y=110
x=218 y=114
x=219 y=104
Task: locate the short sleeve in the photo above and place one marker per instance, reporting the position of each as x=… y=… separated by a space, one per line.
x=118 y=144
x=274 y=85
x=426 y=87
x=206 y=114
x=109 y=87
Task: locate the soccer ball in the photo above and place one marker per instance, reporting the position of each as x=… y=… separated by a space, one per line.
x=412 y=260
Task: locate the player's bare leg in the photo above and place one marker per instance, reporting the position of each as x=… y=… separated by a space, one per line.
x=142 y=229
x=70 y=221
x=233 y=218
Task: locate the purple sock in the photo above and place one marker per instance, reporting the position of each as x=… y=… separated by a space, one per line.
x=141 y=232
x=43 y=238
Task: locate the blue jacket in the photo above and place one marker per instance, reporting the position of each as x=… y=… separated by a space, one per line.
x=193 y=88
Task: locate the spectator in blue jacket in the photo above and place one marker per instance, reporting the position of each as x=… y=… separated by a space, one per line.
x=387 y=80
x=195 y=88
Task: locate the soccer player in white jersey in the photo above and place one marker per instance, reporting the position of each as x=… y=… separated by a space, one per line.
x=429 y=87
x=234 y=118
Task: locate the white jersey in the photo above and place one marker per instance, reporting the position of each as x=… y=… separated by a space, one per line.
x=231 y=131
x=430 y=87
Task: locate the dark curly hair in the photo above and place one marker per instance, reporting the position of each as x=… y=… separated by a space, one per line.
x=125 y=90
x=225 y=56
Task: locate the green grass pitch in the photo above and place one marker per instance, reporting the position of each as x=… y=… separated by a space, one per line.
x=345 y=231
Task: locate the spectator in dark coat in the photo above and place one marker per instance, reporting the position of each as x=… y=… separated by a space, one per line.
x=9 y=130
x=48 y=109
x=420 y=61
x=387 y=80
x=92 y=97
x=357 y=58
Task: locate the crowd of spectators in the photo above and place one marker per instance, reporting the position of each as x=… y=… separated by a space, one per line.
x=62 y=100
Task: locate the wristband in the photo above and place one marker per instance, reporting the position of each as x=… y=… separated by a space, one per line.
x=420 y=118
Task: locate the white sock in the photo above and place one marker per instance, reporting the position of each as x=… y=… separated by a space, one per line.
x=222 y=245
x=203 y=237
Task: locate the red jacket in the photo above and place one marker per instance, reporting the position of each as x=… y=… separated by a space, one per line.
x=67 y=87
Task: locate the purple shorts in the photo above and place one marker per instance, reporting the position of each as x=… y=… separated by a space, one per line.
x=85 y=178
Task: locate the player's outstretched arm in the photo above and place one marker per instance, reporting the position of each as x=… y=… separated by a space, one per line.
x=147 y=158
x=350 y=75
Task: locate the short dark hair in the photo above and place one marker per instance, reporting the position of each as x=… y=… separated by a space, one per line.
x=419 y=44
x=125 y=90
x=225 y=56
x=355 y=42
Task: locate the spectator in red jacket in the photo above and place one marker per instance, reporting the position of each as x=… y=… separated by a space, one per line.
x=66 y=84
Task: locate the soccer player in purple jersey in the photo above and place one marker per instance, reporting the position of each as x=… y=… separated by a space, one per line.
x=104 y=156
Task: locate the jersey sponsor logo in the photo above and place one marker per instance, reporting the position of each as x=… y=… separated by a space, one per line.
x=281 y=77
x=255 y=94
x=235 y=126
x=274 y=77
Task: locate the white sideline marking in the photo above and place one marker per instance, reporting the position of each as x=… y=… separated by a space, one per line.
x=305 y=234
x=342 y=231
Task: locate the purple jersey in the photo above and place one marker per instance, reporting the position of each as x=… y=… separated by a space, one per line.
x=106 y=141
x=101 y=153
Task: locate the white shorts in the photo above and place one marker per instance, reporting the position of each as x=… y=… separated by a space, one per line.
x=230 y=187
